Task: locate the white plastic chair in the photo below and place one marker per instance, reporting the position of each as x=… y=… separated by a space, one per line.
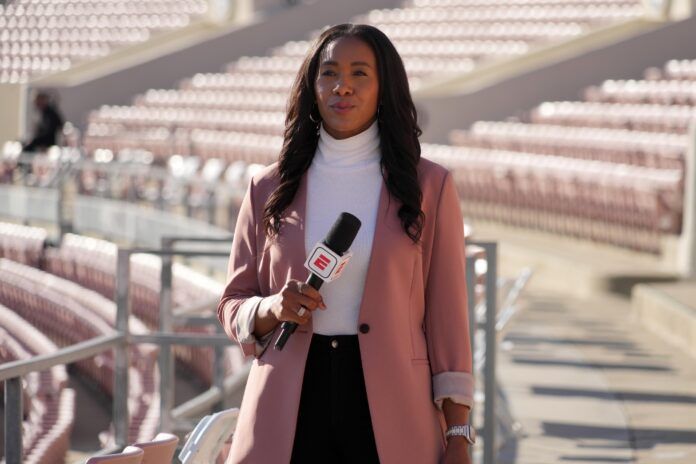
x=207 y=438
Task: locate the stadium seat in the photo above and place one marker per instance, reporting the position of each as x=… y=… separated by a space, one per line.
x=130 y=455
x=68 y=314
x=208 y=437
x=160 y=450
x=238 y=114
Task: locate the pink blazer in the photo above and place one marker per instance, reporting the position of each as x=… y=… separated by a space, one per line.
x=414 y=303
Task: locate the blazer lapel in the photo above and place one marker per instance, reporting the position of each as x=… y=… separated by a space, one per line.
x=386 y=246
x=294 y=233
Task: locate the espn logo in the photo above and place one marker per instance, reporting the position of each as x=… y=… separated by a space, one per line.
x=326 y=264
x=322 y=261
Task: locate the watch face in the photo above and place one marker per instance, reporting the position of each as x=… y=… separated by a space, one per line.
x=472 y=432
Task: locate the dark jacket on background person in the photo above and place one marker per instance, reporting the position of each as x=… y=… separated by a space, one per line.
x=46 y=130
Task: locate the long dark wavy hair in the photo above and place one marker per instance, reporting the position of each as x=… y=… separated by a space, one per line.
x=398 y=129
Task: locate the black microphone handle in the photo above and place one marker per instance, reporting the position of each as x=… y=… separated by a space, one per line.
x=287 y=328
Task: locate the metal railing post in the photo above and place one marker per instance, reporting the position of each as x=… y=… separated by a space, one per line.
x=471 y=303
x=471 y=298
x=211 y=204
x=219 y=367
x=13 y=420
x=121 y=356
x=489 y=366
x=166 y=361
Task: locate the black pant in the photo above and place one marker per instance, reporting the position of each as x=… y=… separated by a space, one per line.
x=333 y=423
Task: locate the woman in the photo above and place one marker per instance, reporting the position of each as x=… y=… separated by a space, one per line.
x=380 y=365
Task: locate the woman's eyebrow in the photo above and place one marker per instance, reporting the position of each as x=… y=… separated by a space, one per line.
x=354 y=63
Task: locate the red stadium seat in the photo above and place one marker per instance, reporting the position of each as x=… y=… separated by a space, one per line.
x=160 y=450
x=130 y=455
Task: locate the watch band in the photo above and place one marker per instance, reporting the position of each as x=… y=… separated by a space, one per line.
x=466 y=431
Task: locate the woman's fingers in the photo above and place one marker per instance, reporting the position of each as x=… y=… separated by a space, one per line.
x=295 y=315
x=307 y=301
x=297 y=301
x=308 y=296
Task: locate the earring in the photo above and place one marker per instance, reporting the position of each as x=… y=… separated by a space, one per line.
x=379 y=113
x=315 y=121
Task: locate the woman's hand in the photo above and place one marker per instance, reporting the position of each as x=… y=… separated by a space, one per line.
x=294 y=302
x=457 y=451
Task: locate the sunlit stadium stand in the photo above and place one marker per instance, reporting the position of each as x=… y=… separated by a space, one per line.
x=240 y=113
x=22 y=243
x=589 y=183
x=66 y=314
x=42 y=36
x=609 y=169
x=92 y=264
x=89 y=266
x=50 y=408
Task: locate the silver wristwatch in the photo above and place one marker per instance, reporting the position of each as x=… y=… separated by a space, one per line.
x=466 y=431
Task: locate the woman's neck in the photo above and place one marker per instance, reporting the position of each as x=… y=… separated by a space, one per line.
x=359 y=150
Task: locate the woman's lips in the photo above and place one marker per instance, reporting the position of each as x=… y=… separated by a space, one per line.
x=342 y=109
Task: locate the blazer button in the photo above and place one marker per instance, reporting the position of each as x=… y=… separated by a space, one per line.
x=364 y=328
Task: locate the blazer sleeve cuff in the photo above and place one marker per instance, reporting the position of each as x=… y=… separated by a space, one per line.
x=245 y=326
x=457 y=386
x=246 y=316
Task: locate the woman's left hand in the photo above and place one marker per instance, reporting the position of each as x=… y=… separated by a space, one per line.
x=457 y=451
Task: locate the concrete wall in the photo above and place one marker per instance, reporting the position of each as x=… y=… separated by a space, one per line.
x=256 y=38
x=561 y=80
x=669 y=310
x=13 y=104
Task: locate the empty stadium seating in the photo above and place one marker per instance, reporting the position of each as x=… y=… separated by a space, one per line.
x=42 y=36
x=49 y=406
x=239 y=114
x=610 y=168
x=92 y=263
x=41 y=299
x=21 y=243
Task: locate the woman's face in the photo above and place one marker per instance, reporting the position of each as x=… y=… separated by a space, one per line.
x=347 y=87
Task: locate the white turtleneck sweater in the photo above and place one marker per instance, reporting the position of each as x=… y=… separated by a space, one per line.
x=344 y=176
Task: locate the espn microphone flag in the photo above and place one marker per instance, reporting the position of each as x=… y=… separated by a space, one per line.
x=326 y=264
x=326 y=261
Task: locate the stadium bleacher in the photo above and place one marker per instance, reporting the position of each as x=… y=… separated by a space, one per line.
x=23 y=244
x=92 y=264
x=239 y=114
x=42 y=36
x=609 y=168
x=70 y=311
x=82 y=264
x=49 y=405
x=41 y=299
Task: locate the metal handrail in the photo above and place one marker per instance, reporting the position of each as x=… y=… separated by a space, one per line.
x=67 y=355
x=11 y=373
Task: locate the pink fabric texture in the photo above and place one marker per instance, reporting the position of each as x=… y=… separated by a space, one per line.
x=417 y=348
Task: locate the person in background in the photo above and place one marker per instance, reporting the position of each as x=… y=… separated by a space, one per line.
x=48 y=125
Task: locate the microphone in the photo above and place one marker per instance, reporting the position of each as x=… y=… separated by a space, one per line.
x=326 y=262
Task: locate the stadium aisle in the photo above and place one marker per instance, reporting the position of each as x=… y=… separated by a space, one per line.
x=589 y=384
